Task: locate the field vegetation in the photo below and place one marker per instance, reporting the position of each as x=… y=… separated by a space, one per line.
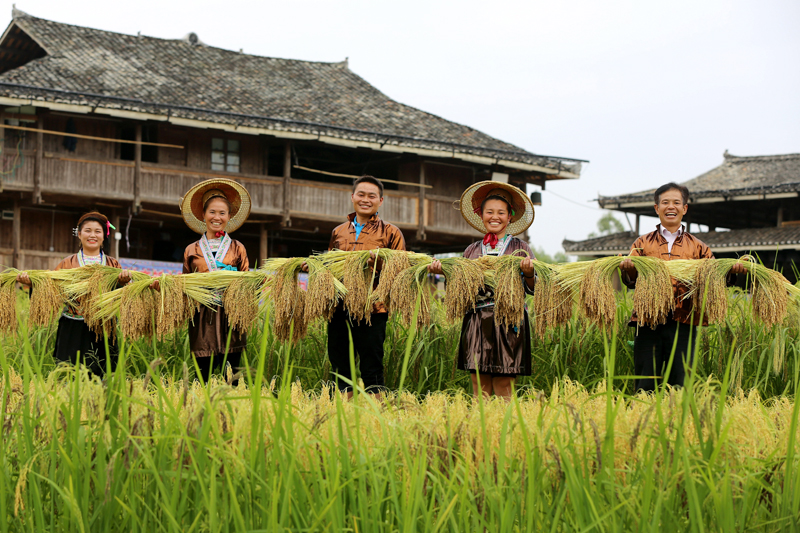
x=149 y=449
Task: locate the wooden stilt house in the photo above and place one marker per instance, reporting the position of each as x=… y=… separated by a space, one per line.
x=127 y=123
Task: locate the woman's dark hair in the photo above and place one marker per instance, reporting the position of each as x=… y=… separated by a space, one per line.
x=223 y=198
x=668 y=187
x=496 y=197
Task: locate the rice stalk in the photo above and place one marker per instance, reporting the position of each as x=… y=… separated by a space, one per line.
x=8 y=301
x=464 y=283
x=241 y=297
x=288 y=299
x=394 y=262
x=770 y=293
x=596 y=295
x=654 y=295
x=409 y=290
x=47 y=298
x=323 y=293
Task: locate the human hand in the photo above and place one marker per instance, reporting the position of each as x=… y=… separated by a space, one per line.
x=527 y=267
x=155 y=285
x=23 y=278
x=124 y=277
x=435 y=267
x=738 y=268
x=628 y=267
x=304 y=267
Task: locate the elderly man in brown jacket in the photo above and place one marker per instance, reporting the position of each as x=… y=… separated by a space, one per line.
x=364 y=230
x=653 y=348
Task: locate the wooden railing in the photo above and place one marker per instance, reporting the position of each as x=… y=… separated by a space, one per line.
x=165 y=185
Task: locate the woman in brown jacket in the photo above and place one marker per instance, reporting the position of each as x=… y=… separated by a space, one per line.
x=495 y=353
x=214 y=208
x=75 y=342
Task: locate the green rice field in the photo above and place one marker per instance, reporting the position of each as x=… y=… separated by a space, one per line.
x=149 y=449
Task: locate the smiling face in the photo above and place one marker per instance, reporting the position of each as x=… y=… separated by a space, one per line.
x=91 y=236
x=496 y=216
x=216 y=216
x=367 y=200
x=671 y=208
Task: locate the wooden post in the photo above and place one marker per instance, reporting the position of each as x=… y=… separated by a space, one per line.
x=137 y=171
x=16 y=234
x=780 y=216
x=114 y=242
x=37 y=167
x=263 y=249
x=421 y=210
x=637 y=224
x=287 y=174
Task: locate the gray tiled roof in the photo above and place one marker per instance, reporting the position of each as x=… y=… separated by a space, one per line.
x=734 y=240
x=767 y=174
x=195 y=81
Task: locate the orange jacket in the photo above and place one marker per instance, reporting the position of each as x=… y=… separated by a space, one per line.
x=375 y=234
x=686 y=246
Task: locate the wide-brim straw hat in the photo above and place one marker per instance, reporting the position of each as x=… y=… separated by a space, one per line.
x=473 y=197
x=194 y=199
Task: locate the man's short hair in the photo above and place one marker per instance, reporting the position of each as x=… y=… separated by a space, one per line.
x=668 y=187
x=369 y=179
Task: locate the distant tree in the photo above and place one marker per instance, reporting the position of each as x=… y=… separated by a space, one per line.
x=544 y=257
x=607 y=225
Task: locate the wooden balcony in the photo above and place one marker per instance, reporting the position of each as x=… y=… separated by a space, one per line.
x=62 y=177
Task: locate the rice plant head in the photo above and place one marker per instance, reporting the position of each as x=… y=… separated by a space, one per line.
x=47 y=298
x=8 y=301
x=654 y=295
x=464 y=283
x=394 y=262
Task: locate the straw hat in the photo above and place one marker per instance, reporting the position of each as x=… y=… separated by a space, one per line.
x=193 y=201
x=473 y=197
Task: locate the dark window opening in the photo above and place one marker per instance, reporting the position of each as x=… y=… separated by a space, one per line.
x=127 y=151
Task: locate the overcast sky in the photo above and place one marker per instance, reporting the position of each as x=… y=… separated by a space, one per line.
x=649 y=92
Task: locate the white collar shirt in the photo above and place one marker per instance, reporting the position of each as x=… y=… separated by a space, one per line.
x=667 y=234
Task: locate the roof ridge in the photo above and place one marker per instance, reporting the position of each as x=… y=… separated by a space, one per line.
x=733 y=158
x=27 y=16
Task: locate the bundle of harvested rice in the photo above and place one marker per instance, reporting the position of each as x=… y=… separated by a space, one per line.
x=654 y=297
x=596 y=296
x=464 y=283
x=394 y=262
x=709 y=290
x=8 y=301
x=47 y=297
x=241 y=297
x=509 y=291
x=323 y=291
x=172 y=307
x=359 y=280
x=83 y=285
x=770 y=293
x=288 y=299
x=410 y=293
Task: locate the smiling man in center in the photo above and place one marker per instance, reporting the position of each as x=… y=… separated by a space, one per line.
x=364 y=230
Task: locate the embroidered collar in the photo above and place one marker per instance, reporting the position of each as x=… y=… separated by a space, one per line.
x=500 y=249
x=84 y=260
x=211 y=257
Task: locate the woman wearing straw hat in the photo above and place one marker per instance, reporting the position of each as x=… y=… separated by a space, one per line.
x=493 y=354
x=215 y=208
x=74 y=339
